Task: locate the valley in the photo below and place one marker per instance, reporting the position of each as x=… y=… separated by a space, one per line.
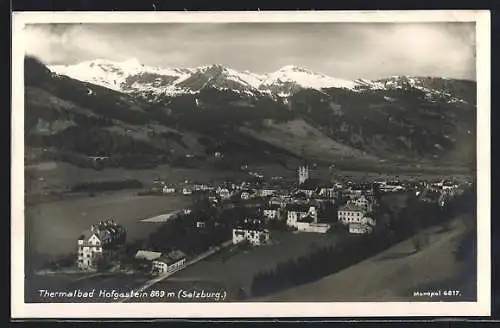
x=125 y=141
x=397 y=122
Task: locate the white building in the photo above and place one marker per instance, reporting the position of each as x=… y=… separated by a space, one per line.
x=362 y=202
x=168 y=190
x=223 y=193
x=318 y=227
x=200 y=224
x=255 y=237
x=350 y=214
x=89 y=250
x=310 y=224
x=329 y=192
x=93 y=242
x=266 y=192
x=296 y=212
x=201 y=187
x=170 y=262
x=313 y=227
x=303 y=174
x=271 y=212
x=251 y=230
x=247 y=194
x=361 y=225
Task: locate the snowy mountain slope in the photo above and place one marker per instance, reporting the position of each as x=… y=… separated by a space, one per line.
x=222 y=78
x=153 y=83
x=112 y=75
x=289 y=79
x=131 y=76
x=434 y=89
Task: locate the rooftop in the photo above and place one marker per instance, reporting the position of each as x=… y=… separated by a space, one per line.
x=359 y=225
x=86 y=234
x=298 y=207
x=172 y=257
x=322 y=225
x=351 y=207
x=308 y=219
x=147 y=255
x=255 y=224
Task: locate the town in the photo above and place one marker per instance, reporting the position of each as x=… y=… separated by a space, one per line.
x=247 y=213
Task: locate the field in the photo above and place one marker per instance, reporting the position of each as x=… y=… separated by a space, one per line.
x=59 y=176
x=394 y=275
x=53 y=228
x=234 y=269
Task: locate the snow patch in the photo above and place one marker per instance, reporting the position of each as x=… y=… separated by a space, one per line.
x=305 y=79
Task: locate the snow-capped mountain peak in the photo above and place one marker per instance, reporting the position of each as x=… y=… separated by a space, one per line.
x=131 y=63
x=290 y=78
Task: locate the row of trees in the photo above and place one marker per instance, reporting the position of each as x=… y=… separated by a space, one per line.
x=325 y=261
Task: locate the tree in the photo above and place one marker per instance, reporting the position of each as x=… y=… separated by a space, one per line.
x=417 y=243
x=102 y=263
x=420 y=241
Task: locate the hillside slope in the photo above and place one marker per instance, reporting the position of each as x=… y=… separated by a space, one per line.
x=396 y=273
x=398 y=120
x=302 y=139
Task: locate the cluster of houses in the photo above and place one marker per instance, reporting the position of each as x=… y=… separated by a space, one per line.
x=94 y=243
x=439 y=192
x=306 y=206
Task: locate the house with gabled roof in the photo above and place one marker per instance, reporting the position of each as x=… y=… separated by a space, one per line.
x=89 y=250
x=93 y=241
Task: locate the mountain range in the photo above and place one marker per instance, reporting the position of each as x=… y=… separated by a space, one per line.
x=135 y=113
x=132 y=77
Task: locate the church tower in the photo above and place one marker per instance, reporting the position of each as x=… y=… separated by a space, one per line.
x=303 y=174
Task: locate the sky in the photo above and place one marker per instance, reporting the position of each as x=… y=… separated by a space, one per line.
x=342 y=50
